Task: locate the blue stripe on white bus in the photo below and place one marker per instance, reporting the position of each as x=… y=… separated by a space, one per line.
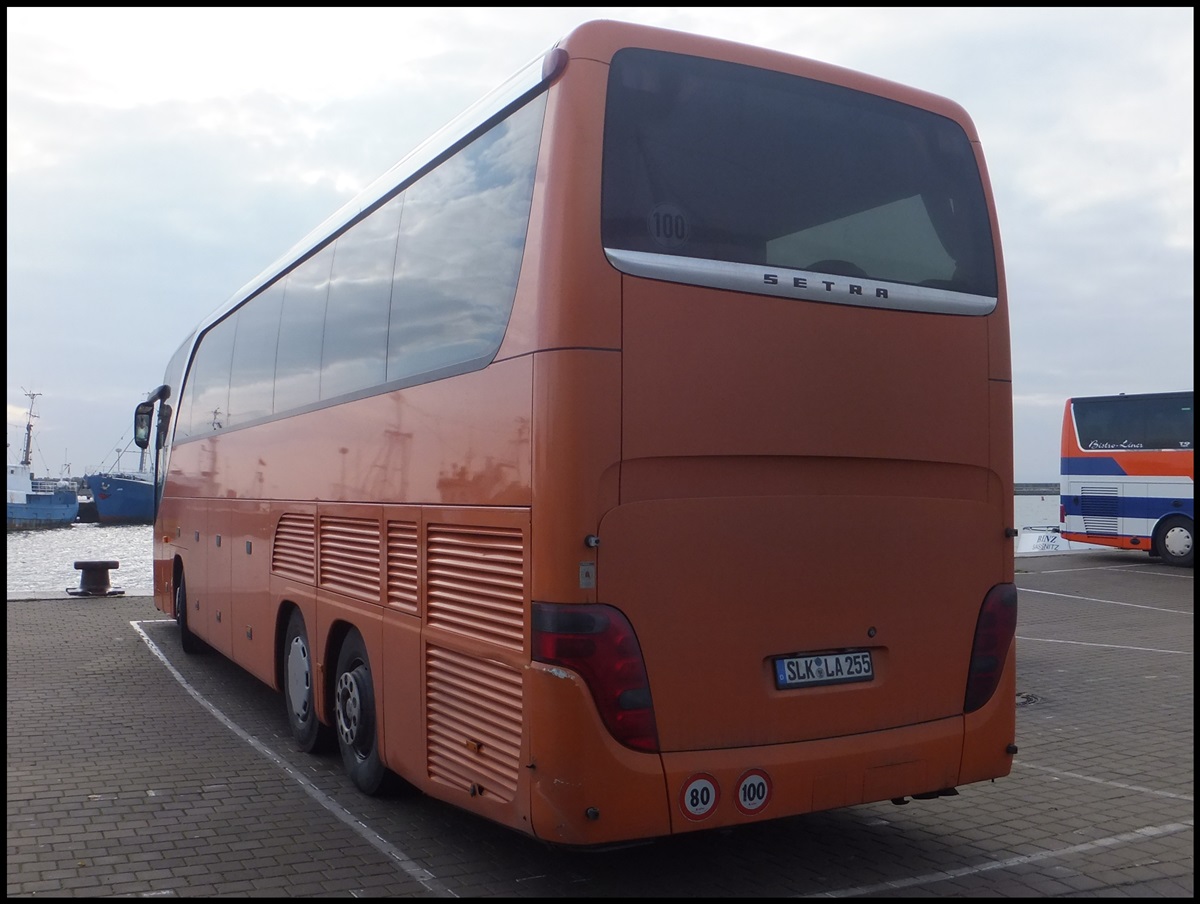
x=1141 y=507
x=1098 y=466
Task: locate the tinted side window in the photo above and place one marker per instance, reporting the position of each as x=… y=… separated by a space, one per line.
x=252 y=378
x=462 y=234
x=301 y=329
x=419 y=289
x=354 y=355
x=207 y=391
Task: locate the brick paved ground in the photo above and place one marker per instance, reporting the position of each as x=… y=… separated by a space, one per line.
x=135 y=775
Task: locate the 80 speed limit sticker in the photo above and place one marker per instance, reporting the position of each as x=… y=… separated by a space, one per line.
x=699 y=796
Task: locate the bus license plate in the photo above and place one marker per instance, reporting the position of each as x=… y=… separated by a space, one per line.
x=823 y=668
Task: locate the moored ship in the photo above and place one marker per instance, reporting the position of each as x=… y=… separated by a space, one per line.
x=123 y=497
x=37 y=503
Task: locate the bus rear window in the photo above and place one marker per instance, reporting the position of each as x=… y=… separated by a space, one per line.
x=1149 y=421
x=714 y=161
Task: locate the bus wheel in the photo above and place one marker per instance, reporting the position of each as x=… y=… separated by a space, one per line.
x=355 y=716
x=187 y=640
x=298 y=691
x=1175 y=541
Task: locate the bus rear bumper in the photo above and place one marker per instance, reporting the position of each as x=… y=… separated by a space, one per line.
x=752 y=784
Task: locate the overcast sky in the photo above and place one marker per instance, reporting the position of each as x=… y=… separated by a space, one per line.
x=159 y=159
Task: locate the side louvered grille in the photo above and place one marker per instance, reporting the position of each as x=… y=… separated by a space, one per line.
x=402 y=566
x=473 y=718
x=475 y=582
x=350 y=557
x=293 y=553
x=1099 y=507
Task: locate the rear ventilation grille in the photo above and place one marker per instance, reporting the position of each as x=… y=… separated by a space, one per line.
x=475 y=582
x=1099 y=507
x=293 y=554
x=350 y=557
x=473 y=718
x=402 y=567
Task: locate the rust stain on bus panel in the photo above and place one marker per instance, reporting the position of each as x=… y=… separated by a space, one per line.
x=576 y=766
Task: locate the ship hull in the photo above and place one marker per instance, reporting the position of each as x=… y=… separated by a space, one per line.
x=122 y=498
x=41 y=511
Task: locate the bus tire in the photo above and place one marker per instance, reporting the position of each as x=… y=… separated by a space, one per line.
x=187 y=640
x=354 y=716
x=299 y=691
x=1175 y=541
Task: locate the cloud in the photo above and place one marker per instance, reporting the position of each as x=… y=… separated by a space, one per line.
x=151 y=176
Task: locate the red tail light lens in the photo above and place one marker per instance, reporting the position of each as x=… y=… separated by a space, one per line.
x=598 y=642
x=994 y=633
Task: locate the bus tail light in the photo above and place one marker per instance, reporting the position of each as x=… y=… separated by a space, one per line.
x=994 y=633
x=598 y=642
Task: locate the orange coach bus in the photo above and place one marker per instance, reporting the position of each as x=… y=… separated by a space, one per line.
x=581 y=472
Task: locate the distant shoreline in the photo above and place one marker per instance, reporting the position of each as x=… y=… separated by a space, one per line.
x=1035 y=489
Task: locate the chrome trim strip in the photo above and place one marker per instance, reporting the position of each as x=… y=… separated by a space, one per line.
x=806 y=285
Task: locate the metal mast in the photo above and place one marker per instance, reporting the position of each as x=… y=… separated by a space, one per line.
x=27 y=452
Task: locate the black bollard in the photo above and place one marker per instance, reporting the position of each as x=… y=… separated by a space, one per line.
x=93 y=579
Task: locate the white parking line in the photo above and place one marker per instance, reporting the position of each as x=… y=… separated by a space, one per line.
x=1106 y=646
x=942 y=875
x=1145 y=569
x=1101 y=781
x=401 y=859
x=1092 y=599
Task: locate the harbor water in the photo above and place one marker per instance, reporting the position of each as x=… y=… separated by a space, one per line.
x=43 y=561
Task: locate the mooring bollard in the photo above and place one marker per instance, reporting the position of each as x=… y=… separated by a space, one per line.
x=93 y=579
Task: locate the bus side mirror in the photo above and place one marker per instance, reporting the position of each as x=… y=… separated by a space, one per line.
x=142 y=419
x=164 y=422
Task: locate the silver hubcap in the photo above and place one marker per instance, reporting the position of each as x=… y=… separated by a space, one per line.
x=299 y=677
x=349 y=708
x=1177 y=542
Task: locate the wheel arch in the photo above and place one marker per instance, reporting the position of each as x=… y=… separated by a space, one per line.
x=336 y=636
x=176 y=576
x=283 y=615
x=1160 y=529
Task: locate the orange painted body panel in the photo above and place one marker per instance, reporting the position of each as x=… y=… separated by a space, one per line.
x=577 y=765
x=600 y=40
x=717 y=587
x=699 y=358
x=440 y=442
x=568 y=295
x=742 y=476
x=990 y=731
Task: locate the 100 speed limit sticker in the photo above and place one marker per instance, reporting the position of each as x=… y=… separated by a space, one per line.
x=753 y=791
x=701 y=793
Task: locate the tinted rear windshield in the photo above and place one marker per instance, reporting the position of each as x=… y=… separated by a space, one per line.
x=1135 y=422
x=722 y=162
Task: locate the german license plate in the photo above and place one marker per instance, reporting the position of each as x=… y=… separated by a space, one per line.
x=823 y=668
